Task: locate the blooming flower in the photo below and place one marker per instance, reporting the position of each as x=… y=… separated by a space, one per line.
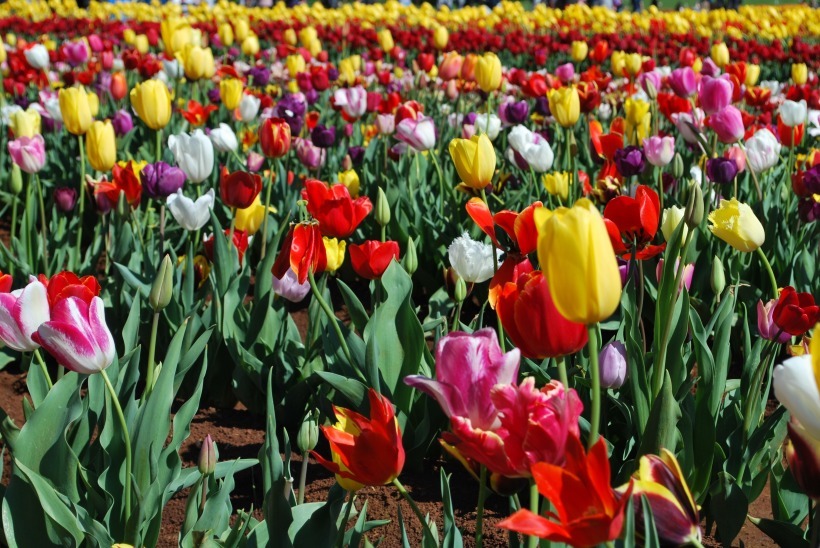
x=191 y=215
x=472 y=260
x=21 y=313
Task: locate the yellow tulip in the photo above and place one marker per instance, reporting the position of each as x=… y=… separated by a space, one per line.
x=557 y=184
x=735 y=223
x=385 y=40
x=199 y=63
x=697 y=66
x=578 y=261
x=347 y=74
x=101 y=145
x=633 y=63
x=752 y=74
x=474 y=159
x=618 y=63
x=251 y=218
x=141 y=43
x=226 y=34
x=181 y=39
x=579 y=51
x=76 y=110
x=152 y=101
x=720 y=54
x=565 y=106
x=11 y=39
x=307 y=36
x=230 y=90
x=488 y=72
x=25 y=123
x=2 y=53
x=289 y=37
x=295 y=64
x=441 y=38
x=93 y=103
x=250 y=45
x=335 y=251
x=800 y=73
x=241 y=29
x=638 y=120
x=167 y=29
x=129 y=35
x=350 y=179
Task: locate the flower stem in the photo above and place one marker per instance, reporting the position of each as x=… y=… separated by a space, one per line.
x=403 y=492
x=159 y=144
x=152 y=347
x=595 y=374
x=303 y=478
x=561 y=362
x=204 y=494
x=43 y=367
x=532 y=541
x=330 y=316
x=768 y=266
x=340 y=538
x=82 y=202
x=265 y=222
x=479 y=519
x=495 y=269
x=126 y=438
x=233 y=226
x=43 y=228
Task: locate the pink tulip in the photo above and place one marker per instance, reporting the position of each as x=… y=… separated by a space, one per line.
x=21 y=313
x=653 y=77
x=386 y=124
x=353 y=101
x=736 y=153
x=76 y=53
x=565 y=72
x=683 y=82
x=311 y=156
x=728 y=124
x=77 y=335
x=765 y=323
x=254 y=161
x=686 y=279
x=688 y=125
x=29 y=153
x=419 y=134
x=95 y=43
x=715 y=94
x=467 y=369
x=659 y=151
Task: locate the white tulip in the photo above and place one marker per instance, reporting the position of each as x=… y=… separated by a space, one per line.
x=492 y=130
x=796 y=388
x=535 y=150
x=223 y=138
x=249 y=107
x=793 y=113
x=37 y=56
x=472 y=260
x=191 y=215
x=762 y=150
x=194 y=154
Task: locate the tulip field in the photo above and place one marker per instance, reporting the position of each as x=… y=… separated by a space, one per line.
x=387 y=275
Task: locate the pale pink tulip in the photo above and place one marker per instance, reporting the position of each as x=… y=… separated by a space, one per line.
x=21 y=313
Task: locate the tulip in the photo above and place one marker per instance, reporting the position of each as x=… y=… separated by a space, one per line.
x=633 y=222
x=289 y=287
x=659 y=151
x=93 y=103
x=579 y=51
x=25 y=123
x=101 y=145
x=230 y=91
x=576 y=255
x=803 y=456
x=240 y=188
x=735 y=223
x=65 y=198
x=420 y=133
x=248 y=107
x=514 y=112
x=250 y=219
x=766 y=327
x=352 y=101
x=565 y=105
x=303 y=252
x=532 y=147
x=254 y=161
x=28 y=153
x=225 y=32
x=613 y=364
x=472 y=260
x=161 y=180
x=37 y=56
x=715 y=94
x=311 y=156
x=75 y=110
x=630 y=161
x=350 y=179
x=795 y=313
x=488 y=72
x=565 y=72
x=21 y=313
x=474 y=160
x=683 y=83
x=239 y=241
x=194 y=154
x=752 y=74
x=386 y=124
x=727 y=124
x=762 y=151
x=672 y=217
x=191 y=215
x=199 y=63
x=122 y=123
x=77 y=335
x=152 y=102
x=491 y=126
x=450 y=66
x=338 y=215
x=250 y=45
x=689 y=125
x=793 y=113
x=223 y=138
x=686 y=277
x=335 y=250
x=385 y=39
x=800 y=73
x=638 y=120
x=67 y=284
x=720 y=54
x=557 y=184
x=295 y=65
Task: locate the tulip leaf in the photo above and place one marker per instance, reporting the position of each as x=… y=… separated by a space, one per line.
x=783 y=533
x=276 y=507
x=661 y=430
x=358 y=314
x=353 y=390
x=452 y=535
x=729 y=506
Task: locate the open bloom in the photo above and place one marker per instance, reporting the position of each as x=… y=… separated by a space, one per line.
x=735 y=223
x=338 y=214
x=532 y=147
x=366 y=451
x=659 y=151
x=194 y=154
x=474 y=159
x=29 y=153
x=240 y=188
x=762 y=150
x=352 y=101
x=795 y=313
x=67 y=284
x=191 y=215
x=77 y=335
x=588 y=511
x=418 y=133
x=224 y=138
x=303 y=251
x=472 y=260
x=21 y=313
x=371 y=258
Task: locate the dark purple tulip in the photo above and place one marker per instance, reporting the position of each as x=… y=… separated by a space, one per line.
x=160 y=180
x=332 y=74
x=469 y=119
x=516 y=113
x=811 y=179
x=22 y=101
x=356 y=155
x=292 y=111
x=311 y=96
x=669 y=182
x=542 y=106
x=721 y=171
x=809 y=210
x=323 y=136
x=65 y=198
x=630 y=161
x=122 y=122
x=213 y=96
x=234 y=51
x=260 y=75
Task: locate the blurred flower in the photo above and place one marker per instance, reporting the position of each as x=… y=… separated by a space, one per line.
x=191 y=215
x=197 y=114
x=727 y=124
x=735 y=223
x=238 y=189
x=352 y=101
x=223 y=138
x=686 y=278
x=630 y=161
x=721 y=171
x=289 y=287
x=65 y=198
x=682 y=81
x=715 y=94
x=793 y=113
x=488 y=72
x=248 y=107
x=230 y=91
x=37 y=56
x=311 y=156
x=672 y=217
x=323 y=136
x=335 y=250
x=557 y=184
x=28 y=153
x=565 y=105
x=659 y=151
x=122 y=122
x=491 y=128
x=75 y=110
x=350 y=179
x=418 y=133
x=25 y=123
x=152 y=102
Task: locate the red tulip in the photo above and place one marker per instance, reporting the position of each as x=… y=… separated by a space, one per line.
x=532 y=322
x=520 y=227
x=67 y=284
x=274 y=137
x=795 y=313
x=240 y=188
x=6 y=281
x=372 y=258
x=197 y=114
x=789 y=136
x=599 y=52
x=119 y=86
x=633 y=223
x=589 y=511
x=338 y=214
x=107 y=193
x=303 y=251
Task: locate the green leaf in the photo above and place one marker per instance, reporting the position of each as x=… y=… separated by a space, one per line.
x=661 y=428
x=358 y=314
x=783 y=533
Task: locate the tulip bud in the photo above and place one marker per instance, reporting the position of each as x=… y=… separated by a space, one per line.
x=382 y=209
x=718 y=277
x=162 y=289
x=308 y=432
x=65 y=198
x=651 y=90
x=16 y=185
x=208 y=456
x=677 y=166
x=694 y=207
x=411 y=260
x=613 y=365
x=123 y=207
x=461 y=290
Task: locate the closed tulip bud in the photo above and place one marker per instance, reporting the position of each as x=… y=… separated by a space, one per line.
x=720 y=54
x=208 y=456
x=241 y=28
x=694 y=206
x=226 y=34
x=613 y=362
x=101 y=145
x=800 y=73
x=633 y=63
x=199 y=63
x=250 y=45
x=335 y=251
x=76 y=110
x=565 y=106
x=289 y=36
x=460 y=292
x=382 y=209
x=385 y=38
x=163 y=287
x=230 y=91
x=274 y=137
x=651 y=90
x=123 y=207
x=440 y=38
x=579 y=51
x=677 y=166
x=152 y=102
x=119 y=86
x=65 y=198
x=308 y=432
x=474 y=159
x=488 y=72
x=16 y=180
x=672 y=217
x=411 y=260
x=350 y=179
x=718 y=276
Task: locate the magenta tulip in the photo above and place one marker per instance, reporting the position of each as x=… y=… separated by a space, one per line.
x=21 y=313
x=727 y=124
x=683 y=82
x=715 y=94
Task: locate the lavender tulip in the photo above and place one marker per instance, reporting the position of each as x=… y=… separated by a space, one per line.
x=613 y=364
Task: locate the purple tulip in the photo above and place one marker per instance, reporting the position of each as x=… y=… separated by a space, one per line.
x=710 y=68
x=323 y=136
x=727 y=124
x=721 y=171
x=467 y=369
x=565 y=72
x=214 y=96
x=613 y=364
x=122 y=122
x=65 y=198
x=260 y=76
x=715 y=94
x=160 y=180
x=630 y=161
x=516 y=112
x=811 y=179
x=356 y=154
x=652 y=77
x=311 y=156
x=332 y=74
x=809 y=209
x=311 y=96
x=76 y=53
x=292 y=110
x=289 y=287
x=542 y=106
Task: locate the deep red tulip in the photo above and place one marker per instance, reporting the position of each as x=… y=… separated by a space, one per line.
x=338 y=214
x=107 y=193
x=274 y=137
x=532 y=322
x=240 y=188
x=6 y=281
x=372 y=258
x=795 y=313
x=633 y=222
x=303 y=251
x=67 y=284
x=599 y=52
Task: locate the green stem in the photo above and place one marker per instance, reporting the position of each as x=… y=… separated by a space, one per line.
x=265 y=222
x=126 y=438
x=82 y=202
x=152 y=346
x=403 y=492
x=561 y=361
x=767 y=265
x=340 y=537
x=457 y=319
x=479 y=520
x=13 y=230
x=204 y=494
x=441 y=184
x=303 y=478
x=331 y=317
x=159 y=144
x=43 y=228
x=532 y=542
x=595 y=374
x=43 y=367
x=233 y=226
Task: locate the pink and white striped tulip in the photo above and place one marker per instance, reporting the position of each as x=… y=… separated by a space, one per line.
x=21 y=313
x=77 y=335
x=29 y=153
